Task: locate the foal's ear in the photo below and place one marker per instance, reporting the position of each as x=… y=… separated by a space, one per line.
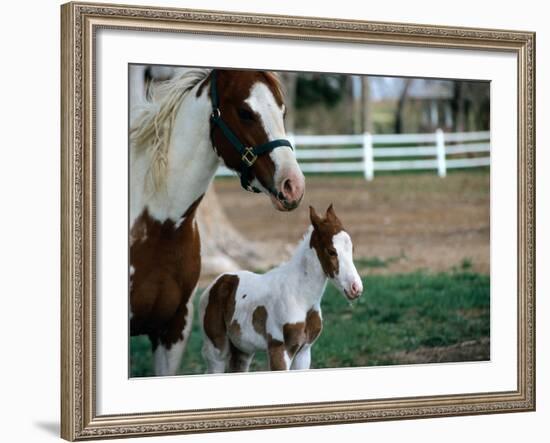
x=330 y=212
x=315 y=219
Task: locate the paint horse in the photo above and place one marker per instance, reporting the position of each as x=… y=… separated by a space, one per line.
x=280 y=311
x=202 y=119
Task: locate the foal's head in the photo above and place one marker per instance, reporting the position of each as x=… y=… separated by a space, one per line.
x=335 y=252
x=251 y=104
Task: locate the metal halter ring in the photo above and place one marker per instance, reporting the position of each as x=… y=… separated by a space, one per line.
x=216 y=114
x=249 y=158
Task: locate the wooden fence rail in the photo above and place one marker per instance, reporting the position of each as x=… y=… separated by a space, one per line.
x=368 y=153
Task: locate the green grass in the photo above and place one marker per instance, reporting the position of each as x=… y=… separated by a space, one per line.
x=375 y=262
x=396 y=313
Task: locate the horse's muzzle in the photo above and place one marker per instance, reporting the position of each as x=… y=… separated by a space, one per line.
x=281 y=204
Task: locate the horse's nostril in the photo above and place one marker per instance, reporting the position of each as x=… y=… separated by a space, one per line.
x=288 y=187
x=292 y=189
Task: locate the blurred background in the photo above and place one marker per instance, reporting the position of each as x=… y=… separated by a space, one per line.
x=351 y=104
x=406 y=163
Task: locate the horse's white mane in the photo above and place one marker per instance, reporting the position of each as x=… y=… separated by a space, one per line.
x=152 y=127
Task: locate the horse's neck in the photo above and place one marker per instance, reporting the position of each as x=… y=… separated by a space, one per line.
x=306 y=272
x=192 y=164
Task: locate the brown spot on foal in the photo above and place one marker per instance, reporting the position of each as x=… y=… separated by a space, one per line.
x=234 y=329
x=259 y=319
x=295 y=336
x=298 y=334
x=220 y=309
x=276 y=353
x=314 y=324
x=324 y=229
x=275 y=348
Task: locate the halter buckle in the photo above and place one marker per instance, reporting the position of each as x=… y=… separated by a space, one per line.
x=216 y=114
x=249 y=158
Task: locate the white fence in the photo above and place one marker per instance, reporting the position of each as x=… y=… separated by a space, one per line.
x=369 y=153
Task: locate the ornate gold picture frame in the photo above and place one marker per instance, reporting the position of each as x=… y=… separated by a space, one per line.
x=80 y=22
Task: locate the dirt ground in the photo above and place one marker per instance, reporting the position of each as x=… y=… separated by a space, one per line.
x=473 y=350
x=398 y=223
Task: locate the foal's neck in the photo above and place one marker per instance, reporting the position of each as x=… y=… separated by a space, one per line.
x=309 y=275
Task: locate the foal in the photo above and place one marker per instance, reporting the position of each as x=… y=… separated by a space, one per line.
x=280 y=311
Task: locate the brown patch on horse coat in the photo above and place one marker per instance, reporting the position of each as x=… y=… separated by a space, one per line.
x=314 y=325
x=295 y=336
x=259 y=320
x=324 y=229
x=298 y=334
x=166 y=262
x=220 y=309
x=275 y=348
x=234 y=329
x=276 y=353
x=234 y=88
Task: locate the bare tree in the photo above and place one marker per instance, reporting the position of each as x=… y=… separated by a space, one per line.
x=290 y=81
x=367 y=104
x=357 y=97
x=457 y=106
x=399 y=112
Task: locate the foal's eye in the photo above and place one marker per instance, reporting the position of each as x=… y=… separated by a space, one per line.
x=245 y=114
x=332 y=252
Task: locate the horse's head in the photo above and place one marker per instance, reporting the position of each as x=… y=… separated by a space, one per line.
x=251 y=107
x=335 y=252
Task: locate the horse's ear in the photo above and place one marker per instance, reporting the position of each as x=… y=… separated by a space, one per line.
x=330 y=212
x=315 y=219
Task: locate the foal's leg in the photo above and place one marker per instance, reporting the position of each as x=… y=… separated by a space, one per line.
x=302 y=359
x=170 y=346
x=239 y=361
x=214 y=357
x=277 y=356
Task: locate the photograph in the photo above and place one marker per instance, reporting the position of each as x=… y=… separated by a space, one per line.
x=287 y=221
x=277 y=220
x=274 y=221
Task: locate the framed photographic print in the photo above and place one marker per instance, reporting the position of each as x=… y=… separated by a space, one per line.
x=282 y=221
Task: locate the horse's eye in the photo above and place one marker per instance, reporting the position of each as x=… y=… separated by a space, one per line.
x=245 y=114
x=332 y=252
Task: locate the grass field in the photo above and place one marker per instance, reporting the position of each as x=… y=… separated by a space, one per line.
x=418 y=317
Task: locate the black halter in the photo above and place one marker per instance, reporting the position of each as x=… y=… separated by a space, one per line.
x=249 y=154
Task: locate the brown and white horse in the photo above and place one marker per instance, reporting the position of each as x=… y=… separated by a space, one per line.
x=278 y=312
x=175 y=150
